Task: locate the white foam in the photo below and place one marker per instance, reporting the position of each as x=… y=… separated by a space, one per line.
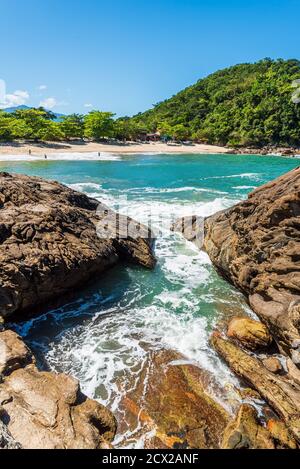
x=108 y=351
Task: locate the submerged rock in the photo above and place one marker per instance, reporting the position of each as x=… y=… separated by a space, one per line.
x=256 y=246
x=169 y=406
x=282 y=393
x=53 y=239
x=252 y=334
x=47 y=410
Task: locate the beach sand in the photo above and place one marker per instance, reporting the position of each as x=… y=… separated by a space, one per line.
x=40 y=149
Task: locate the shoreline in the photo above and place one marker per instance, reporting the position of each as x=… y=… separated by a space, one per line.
x=40 y=149
x=22 y=151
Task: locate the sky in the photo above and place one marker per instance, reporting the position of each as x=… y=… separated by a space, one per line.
x=126 y=55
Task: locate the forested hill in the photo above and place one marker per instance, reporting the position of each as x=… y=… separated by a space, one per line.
x=244 y=105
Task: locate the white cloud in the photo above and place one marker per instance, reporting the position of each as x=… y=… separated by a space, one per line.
x=18 y=98
x=42 y=87
x=49 y=103
x=88 y=105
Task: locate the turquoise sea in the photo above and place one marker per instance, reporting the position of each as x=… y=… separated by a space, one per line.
x=100 y=335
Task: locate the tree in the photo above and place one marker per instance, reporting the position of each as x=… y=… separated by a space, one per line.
x=98 y=125
x=36 y=120
x=128 y=129
x=180 y=132
x=166 y=130
x=247 y=104
x=72 y=126
x=51 y=132
x=5 y=126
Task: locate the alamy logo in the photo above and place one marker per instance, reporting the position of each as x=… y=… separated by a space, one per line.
x=296 y=94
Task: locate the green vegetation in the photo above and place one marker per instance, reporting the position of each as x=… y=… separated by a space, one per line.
x=244 y=105
x=248 y=104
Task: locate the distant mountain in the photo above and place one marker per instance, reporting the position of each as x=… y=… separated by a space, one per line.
x=58 y=116
x=244 y=105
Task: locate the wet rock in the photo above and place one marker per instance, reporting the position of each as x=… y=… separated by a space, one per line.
x=252 y=334
x=14 y=353
x=282 y=393
x=281 y=435
x=248 y=393
x=255 y=245
x=45 y=409
x=170 y=408
x=53 y=239
x=245 y=431
x=273 y=364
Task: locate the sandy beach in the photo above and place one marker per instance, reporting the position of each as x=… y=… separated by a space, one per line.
x=40 y=149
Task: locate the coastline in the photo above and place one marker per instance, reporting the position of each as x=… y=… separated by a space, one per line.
x=40 y=149
x=24 y=151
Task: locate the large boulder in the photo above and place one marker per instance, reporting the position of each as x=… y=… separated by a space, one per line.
x=252 y=334
x=256 y=246
x=14 y=353
x=53 y=238
x=46 y=410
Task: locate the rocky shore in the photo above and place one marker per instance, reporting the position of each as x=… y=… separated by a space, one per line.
x=269 y=150
x=53 y=239
x=255 y=245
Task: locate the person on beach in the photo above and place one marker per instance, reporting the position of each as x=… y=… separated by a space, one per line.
x=29 y=152
x=45 y=157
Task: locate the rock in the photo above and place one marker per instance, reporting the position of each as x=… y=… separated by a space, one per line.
x=245 y=431
x=256 y=245
x=281 y=435
x=192 y=228
x=170 y=407
x=47 y=410
x=281 y=392
x=14 y=353
x=6 y=440
x=249 y=394
x=252 y=334
x=273 y=364
x=53 y=239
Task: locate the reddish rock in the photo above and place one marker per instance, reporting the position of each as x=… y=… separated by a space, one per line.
x=281 y=435
x=273 y=364
x=170 y=406
x=246 y=432
x=282 y=393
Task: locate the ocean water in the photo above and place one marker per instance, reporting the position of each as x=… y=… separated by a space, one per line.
x=104 y=334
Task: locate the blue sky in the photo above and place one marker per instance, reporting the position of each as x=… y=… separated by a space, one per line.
x=125 y=55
